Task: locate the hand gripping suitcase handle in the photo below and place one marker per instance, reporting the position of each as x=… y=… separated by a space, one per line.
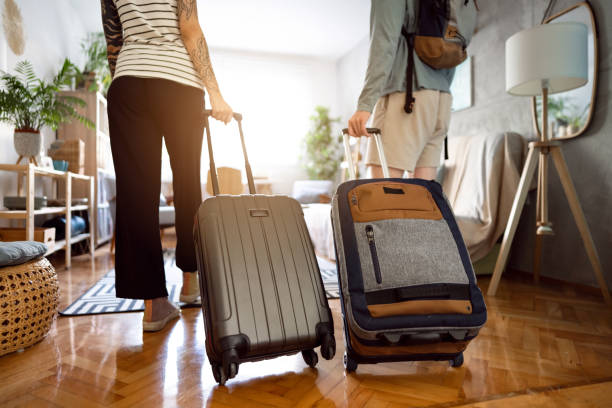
x=213 y=169
x=237 y=116
x=381 y=153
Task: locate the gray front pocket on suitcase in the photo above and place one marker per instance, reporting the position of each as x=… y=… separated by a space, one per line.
x=410 y=252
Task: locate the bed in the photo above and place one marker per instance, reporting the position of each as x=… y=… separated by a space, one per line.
x=480 y=179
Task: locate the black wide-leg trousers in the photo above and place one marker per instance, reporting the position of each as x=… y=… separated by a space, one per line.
x=142 y=111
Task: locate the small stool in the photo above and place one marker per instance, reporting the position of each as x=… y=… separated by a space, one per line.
x=29 y=294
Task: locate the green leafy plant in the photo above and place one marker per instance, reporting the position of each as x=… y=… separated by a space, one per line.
x=28 y=102
x=323 y=151
x=580 y=117
x=94 y=46
x=559 y=108
x=96 y=65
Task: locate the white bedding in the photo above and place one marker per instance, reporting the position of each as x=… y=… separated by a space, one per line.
x=318 y=220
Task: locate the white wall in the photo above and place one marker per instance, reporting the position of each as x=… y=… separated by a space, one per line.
x=51 y=34
x=350 y=72
x=276 y=94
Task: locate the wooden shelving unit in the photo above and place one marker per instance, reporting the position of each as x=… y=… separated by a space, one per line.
x=30 y=172
x=98 y=157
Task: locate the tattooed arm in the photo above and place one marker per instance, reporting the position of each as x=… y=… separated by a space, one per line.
x=113 y=33
x=196 y=46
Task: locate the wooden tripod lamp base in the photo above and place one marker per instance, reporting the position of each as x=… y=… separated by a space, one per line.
x=536 y=150
x=542 y=59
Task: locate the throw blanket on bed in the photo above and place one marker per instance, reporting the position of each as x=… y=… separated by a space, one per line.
x=480 y=179
x=318 y=220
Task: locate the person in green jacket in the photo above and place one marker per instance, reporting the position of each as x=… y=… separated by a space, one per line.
x=412 y=142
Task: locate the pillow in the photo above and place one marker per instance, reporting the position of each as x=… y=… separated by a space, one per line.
x=309 y=191
x=308 y=196
x=77 y=226
x=440 y=174
x=19 y=252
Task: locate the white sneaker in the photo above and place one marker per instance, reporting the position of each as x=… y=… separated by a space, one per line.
x=157 y=325
x=194 y=285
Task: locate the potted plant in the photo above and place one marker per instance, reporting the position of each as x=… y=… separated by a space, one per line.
x=323 y=150
x=29 y=103
x=322 y=156
x=96 y=66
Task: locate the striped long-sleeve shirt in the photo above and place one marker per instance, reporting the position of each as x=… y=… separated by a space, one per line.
x=152 y=45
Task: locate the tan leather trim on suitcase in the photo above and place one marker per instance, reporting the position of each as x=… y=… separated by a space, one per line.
x=421 y=307
x=443 y=347
x=386 y=200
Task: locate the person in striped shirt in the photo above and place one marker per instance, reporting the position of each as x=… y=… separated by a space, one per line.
x=160 y=65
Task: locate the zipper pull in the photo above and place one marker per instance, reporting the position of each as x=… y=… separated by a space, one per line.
x=370 y=233
x=354 y=199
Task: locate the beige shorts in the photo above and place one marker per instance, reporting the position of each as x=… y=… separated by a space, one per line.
x=415 y=139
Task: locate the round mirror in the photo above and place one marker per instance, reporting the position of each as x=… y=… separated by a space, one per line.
x=569 y=113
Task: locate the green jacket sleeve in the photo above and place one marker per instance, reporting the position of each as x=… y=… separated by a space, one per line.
x=386 y=20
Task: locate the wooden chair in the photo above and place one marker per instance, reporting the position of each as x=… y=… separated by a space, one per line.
x=230 y=181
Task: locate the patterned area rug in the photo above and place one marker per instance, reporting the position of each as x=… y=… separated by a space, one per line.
x=100 y=298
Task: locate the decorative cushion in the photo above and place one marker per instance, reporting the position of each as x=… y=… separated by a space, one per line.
x=308 y=191
x=440 y=174
x=19 y=252
x=166 y=216
x=77 y=226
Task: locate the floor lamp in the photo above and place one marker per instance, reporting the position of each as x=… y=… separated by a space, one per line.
x=543 y=60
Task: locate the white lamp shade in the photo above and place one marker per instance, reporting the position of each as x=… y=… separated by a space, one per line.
x=555 y=54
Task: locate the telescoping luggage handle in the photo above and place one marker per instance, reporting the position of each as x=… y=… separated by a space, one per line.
x=381 y=153
x=213 y=169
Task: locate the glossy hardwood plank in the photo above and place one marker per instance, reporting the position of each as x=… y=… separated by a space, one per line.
x=550 y=343
x=593 y=396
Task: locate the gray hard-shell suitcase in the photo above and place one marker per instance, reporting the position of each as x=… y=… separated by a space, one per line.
x=408 y=290
x=262 y=292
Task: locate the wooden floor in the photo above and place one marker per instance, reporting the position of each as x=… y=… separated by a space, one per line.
x=546 y=346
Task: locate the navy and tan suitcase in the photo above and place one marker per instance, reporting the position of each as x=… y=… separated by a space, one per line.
x=408 y=289
x=262 y=292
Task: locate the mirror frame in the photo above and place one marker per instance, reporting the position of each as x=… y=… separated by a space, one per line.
x=534 y=112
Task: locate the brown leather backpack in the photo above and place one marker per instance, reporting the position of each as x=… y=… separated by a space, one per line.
x=437 y=40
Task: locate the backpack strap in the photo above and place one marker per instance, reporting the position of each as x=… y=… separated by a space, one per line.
x=409 y=105
x=446 y=147
x=410 y=101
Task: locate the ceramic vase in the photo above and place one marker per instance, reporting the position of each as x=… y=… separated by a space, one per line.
x=27 y=143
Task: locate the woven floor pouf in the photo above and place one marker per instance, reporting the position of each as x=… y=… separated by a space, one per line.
x=28 y=304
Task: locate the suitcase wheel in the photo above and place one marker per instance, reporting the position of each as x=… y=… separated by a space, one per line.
x=222 y=375
x=219 y=374
x=328 y=347
x=457 y=361
x=349 y=364
x=310 y=357
x=228 y=367
x=233 y=370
